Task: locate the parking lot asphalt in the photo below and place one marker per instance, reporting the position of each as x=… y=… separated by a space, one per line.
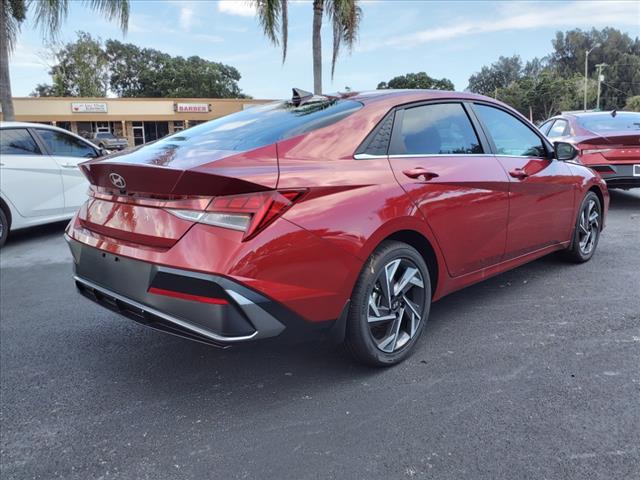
x=529 y=375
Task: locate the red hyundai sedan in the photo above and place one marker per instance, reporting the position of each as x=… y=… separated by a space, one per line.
x=338 y=215
x=608 y=142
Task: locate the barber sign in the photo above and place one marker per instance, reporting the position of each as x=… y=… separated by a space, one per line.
x=84 y=107
x=192 y=107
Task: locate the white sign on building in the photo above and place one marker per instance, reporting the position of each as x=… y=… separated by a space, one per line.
x=192 y=107
x=93 y=107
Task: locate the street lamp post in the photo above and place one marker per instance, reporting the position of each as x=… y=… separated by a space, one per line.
x=600 y=66
x=586 y=72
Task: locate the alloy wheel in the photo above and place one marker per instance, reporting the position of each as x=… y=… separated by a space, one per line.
x=396 y=305
x=588 y=227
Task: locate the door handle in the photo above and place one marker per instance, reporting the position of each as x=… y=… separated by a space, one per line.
x=518 y=173
x=68 y=165
x=420 y=172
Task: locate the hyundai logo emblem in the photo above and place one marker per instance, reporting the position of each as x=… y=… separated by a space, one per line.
x=117 y=180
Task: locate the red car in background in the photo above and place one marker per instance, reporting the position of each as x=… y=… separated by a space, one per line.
x=345 y=215
x=608 y=142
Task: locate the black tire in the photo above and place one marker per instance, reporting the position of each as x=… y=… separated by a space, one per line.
x=4 y=227
x=586 y=235
x=372 y=343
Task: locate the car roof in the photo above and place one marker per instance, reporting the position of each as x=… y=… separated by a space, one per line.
x=31 y=125
x=42 y=126
x=400 y=96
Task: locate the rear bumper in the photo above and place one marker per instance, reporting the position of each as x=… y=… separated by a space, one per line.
x=620 y=175
x=204 y=307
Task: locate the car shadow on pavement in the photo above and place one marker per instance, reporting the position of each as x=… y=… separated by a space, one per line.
x=625 y=199
x=36 y=234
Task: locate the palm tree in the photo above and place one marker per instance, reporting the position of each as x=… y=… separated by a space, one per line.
x=344 y=15
x=49 y=16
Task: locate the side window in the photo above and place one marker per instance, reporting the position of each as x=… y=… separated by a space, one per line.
x=510 y=135
x=559 y=129
x=544 y=128
x=17 y=141
x=63 y=145
x=436 y=129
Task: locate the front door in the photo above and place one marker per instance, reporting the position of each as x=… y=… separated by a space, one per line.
x=138 y=134
x=29 y=179
x=460 y=188
x=541 y=189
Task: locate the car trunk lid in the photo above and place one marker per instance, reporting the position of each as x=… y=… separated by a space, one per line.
x=132 y=193
x=620 y=147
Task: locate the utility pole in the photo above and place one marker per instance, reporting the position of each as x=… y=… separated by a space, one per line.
x=586 y=72
x=600 y=66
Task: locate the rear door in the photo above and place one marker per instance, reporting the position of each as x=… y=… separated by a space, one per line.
x=68 y=151
x=541 y=189
x=441 y=161
x=28 y=178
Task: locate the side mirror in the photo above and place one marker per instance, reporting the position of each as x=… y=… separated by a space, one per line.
x=564 y=151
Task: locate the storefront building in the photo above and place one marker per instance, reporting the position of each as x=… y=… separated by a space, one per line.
x=139 y=120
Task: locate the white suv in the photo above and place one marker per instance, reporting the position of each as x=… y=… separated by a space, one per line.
x=40 y=181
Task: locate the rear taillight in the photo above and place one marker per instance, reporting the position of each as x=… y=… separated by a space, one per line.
x=249 y=213
x=595 y=150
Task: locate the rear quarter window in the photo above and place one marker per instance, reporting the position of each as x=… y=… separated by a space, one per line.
x=17 y=141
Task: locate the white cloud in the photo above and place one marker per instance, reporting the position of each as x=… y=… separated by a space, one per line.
x=186 y=18
x=522 y=16
x=205 y=37
x=237 y=7
x=24 y=56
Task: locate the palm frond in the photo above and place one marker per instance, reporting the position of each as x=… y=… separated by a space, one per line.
x=284 y=26
x=12 y=14
x=273 y=17
x=50 y=14
x=345 y=16
x=112 y=10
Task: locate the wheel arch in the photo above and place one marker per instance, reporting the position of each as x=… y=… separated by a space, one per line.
x=424 y=248
x=7 y=211
x=595 y=189
x=415 y=231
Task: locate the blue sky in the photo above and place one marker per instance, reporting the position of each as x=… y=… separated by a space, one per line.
x=445 y=39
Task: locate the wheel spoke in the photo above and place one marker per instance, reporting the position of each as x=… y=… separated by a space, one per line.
x=397 y=326
x=381 y=318
x=389 y=273
x=412 y=306
x=409 y=278
x=395 y=306
x=372 y=305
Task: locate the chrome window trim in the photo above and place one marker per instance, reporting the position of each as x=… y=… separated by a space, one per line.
x=366 y=156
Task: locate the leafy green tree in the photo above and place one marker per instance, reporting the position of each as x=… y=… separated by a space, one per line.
x=49 y=15
x=633 y=104
x=145 y=72
x=43 y=90
x=344 y=15
x=618 y=50
x=499 y=74
x=417 y=80
x=542 y=97
x=82 y=69
x=87 y=68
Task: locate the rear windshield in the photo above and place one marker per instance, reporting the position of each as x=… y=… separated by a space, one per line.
x=262 y=125
x=604 y=122
x=104 y=135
